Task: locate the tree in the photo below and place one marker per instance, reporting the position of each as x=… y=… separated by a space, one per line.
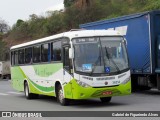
x=19 y=22
x=4 y=27
x=76 y=12
x=54 y=24
x=68 y=3
x=4 y=51
x=33 y=17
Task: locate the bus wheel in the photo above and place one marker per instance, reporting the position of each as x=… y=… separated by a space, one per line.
x=27 y=93
x=143 y=88
x=60 y=96
x=7 y=77
x=105 y=99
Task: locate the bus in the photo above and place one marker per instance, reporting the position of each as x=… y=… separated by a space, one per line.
x=74 y=65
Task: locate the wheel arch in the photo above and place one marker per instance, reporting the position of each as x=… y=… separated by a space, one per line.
x=57 y=83
x=24 y=82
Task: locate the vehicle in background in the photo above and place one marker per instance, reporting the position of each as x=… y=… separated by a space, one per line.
x=142 y=32
x=73 y=65
x=5 y=70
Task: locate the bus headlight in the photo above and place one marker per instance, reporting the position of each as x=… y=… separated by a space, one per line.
x=82 y=83
x=126 y=80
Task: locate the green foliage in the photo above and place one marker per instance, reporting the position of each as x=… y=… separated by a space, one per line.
x=152 y=5
x=68 y=3
x=19 y=22
x=56 y=22
x=1 y=36
x=19 y=31
x=4 y=51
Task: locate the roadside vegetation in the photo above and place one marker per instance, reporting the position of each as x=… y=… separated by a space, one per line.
x=76 y=12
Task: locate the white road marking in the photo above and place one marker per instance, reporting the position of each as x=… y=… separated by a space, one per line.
x=3 y=94
x=15 y=92
x=11 y=92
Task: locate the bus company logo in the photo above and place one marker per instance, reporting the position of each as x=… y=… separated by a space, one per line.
x=106 y=83
x=6 y=114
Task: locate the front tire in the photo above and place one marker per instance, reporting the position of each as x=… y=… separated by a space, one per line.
x=27 y=92
x=105 y=99
x=60 y=96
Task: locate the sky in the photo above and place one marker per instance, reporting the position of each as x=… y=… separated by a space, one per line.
x=12 y=10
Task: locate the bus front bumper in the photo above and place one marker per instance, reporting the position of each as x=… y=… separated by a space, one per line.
x=74 y=91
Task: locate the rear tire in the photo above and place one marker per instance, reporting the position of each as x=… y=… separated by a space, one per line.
x=105 y=99
x=60 y=96
x=7 y=77
x=144 y=88
x=3 y=77
x=27 y=92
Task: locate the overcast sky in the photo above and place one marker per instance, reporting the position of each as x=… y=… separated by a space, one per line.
x=12 y=10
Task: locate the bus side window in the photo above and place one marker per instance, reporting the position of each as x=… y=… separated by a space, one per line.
x=49 y=52
x=28 y=55
x=15 y=57
x=12 y=58
x=56 y=51
x=45 y=52
x=36 y=54
x=21 y=56
x=66 y=60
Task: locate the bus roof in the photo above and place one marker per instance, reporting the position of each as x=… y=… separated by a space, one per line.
x=70 y=34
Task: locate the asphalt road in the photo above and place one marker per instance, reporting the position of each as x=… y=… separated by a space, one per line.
x=11 y=100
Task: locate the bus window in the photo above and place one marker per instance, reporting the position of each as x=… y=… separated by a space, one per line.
x=21 y=56
x=66 y=60
x=45 y=52
x=56 y=51
x=12 y=58
x=15 y=57
x=28 y=55
x=36 y=54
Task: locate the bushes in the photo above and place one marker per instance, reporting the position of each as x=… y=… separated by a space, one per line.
x=4 y=51
x=39 y=26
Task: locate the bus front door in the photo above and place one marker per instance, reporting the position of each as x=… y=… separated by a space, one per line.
x=67 y=75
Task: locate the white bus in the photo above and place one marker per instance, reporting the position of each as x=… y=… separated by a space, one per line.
x=72 y=65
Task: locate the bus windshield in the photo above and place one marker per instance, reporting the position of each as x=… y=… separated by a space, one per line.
x=100 y=55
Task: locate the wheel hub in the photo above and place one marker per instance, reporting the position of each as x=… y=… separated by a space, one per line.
x=61 y=97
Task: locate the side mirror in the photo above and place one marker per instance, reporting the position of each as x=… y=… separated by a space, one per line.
x=71 y=53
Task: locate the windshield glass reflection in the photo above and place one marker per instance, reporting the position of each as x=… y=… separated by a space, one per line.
x=100 y=55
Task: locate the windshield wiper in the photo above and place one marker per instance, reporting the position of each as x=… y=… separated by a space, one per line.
x=110 y=58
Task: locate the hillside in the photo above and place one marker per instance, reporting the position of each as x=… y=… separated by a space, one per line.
x=76 y=12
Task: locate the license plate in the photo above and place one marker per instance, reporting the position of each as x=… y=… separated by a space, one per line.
x=107 y=93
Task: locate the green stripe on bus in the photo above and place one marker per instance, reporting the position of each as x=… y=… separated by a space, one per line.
x=45 y=89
